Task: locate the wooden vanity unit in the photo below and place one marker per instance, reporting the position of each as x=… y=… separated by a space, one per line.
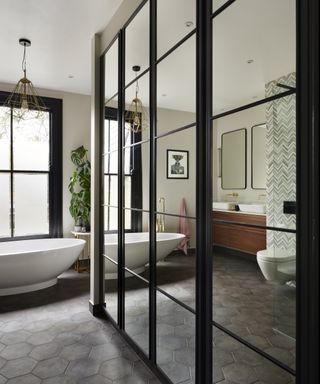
x=240 y=238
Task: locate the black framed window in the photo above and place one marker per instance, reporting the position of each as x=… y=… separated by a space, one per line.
x=31 y=172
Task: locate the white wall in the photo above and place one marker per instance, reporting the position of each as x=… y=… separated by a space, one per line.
x=245 y=119
x=76 y=132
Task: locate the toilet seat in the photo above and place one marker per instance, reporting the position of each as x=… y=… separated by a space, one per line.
x=275 y=255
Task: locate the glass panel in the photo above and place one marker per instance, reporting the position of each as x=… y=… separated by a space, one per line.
x=259 y=156
x=110 y=218
x=234 y=159
x=176 y=174
x=111 y=190
x=176 y=88
x=5 y=205
x=247 y=36
x=175 y=340
x=111 y=268
x=31 y=145
x=216 y=4
x=137 y=179
x=233 y=362
x=4 y=138
x=180 y=15
x=281 y=162
x=111 y=72
x=137 y=43
x=254 y=293
x=137 y=111
x=137 y=242
x=31 y=205
x=176 y=257
x=137 y=310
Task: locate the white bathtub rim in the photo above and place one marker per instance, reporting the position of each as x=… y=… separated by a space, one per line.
x=135 y=241
x=28 y=288
x=76 y=242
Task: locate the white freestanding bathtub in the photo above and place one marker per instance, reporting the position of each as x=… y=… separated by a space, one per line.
x=137 y=250
x=30 y=265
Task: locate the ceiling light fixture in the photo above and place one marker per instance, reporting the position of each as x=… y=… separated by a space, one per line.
x=24 y=97
x=136 y=116
x=250 y=61
x=189 y=24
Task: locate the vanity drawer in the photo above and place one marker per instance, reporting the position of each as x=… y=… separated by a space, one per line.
x=245 y=239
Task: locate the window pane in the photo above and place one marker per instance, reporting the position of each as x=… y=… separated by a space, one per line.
x=5 y=205
x=110 y=219
x=31 y=204
x=111 y=72
x=31 y=143
x=4 y=138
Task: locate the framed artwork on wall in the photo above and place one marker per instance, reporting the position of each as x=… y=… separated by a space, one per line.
x=177 y=164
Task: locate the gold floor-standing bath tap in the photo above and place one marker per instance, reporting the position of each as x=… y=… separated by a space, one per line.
x=160 y=220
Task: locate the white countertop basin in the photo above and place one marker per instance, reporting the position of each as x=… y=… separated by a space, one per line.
x=224 y=205
x=252 y=208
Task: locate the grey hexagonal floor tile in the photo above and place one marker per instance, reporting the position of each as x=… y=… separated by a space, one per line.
x=51 y=367
x=26 y=379
x=83 y=368
x=95 y=379
x=75 y=351
x=116 y=368
x=39 y=338
x=18 y=367
x=239 y=373
x=14 y=351
x=3 y=380
x=15 y=337
x=176 y=372
x=45 y=351
x=105 y=352
x=62 y=379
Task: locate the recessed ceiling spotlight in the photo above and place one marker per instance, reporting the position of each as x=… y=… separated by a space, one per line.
x=250 y=61
x=70 y=76
x=164 y=95
x=189 y=24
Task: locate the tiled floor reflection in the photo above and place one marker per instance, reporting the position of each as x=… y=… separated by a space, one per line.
x=244 y=302
x=50 y=337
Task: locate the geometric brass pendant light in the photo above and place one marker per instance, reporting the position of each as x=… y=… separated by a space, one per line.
x=24 y=100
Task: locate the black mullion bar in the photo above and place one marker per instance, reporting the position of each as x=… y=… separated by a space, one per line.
x=137 y=275
x=254 y=348
x=121 y=120
x=254 y=104
x=12 y=213
x=204 y=193
x=222 y=8
x=111 y=98
x=308 y=288
x=153 y=186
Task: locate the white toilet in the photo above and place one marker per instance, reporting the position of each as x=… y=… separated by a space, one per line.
x=277 y=265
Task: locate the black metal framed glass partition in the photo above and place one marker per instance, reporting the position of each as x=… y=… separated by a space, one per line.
x=201 y=279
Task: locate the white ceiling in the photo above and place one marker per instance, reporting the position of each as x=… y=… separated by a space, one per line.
x=261 y=30
x=60 y=32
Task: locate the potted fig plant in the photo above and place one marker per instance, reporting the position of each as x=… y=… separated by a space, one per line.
x=79 y=187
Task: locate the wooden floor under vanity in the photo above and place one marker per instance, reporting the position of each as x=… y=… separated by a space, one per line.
x=241 y=238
